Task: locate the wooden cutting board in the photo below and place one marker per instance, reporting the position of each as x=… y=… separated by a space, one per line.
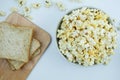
x=5 y=72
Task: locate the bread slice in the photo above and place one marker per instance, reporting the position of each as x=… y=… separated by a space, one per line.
x=35 y=53
x=17 y=65
x=34 y=50
x=15 y=42
x=34 y=46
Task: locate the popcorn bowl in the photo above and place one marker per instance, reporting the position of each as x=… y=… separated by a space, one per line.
x=65 y=50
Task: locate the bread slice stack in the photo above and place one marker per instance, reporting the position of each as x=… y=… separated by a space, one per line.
x=17 y=45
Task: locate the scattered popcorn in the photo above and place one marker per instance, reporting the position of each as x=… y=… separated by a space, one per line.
x=27 y=9
x=61 y=6
x=14 y=9
x=2 y=13
x=48 y=3
x=22 y=2
x=36 y=5
x=87 y=37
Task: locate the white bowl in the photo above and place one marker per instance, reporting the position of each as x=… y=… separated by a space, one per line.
x=109 y=20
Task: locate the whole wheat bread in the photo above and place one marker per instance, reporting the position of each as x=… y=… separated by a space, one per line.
x=15 y=42
x=34 y=50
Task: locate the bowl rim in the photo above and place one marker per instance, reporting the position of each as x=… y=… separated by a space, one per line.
x=59 y=24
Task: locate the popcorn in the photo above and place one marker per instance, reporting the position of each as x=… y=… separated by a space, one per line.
x=70 y=58
x=86 y=56
x=48 y=3
x=61 y=6
x=36 y=5
x=85 y=37
x=21 y=2
x=14 y=9
x=27 y=9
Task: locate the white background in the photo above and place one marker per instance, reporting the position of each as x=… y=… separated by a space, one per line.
x=52 y=66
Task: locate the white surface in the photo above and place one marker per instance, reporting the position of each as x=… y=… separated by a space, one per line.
x=52 y=66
